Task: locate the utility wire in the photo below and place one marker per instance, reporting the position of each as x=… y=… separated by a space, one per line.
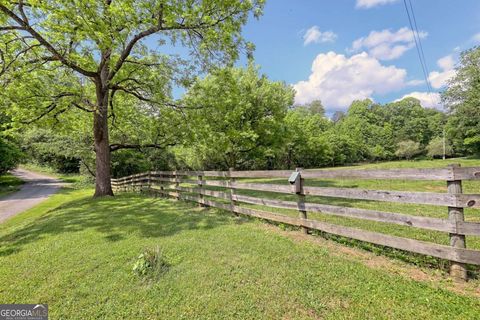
x=418 y=45
x=421 y=57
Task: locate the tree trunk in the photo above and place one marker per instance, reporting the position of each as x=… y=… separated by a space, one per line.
x=103 y=186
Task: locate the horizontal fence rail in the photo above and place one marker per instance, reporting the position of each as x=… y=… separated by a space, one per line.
x=174 y=184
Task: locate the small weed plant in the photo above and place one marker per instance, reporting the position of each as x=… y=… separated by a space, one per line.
x=150 y=263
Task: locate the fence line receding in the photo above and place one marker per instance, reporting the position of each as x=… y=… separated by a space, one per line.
x=224 y=186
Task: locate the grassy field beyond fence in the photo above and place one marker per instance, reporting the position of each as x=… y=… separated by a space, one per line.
x=436 y=211
x=77 y=254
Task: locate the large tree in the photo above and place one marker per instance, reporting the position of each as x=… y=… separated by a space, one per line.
x=462 y=98
x=242 y=121
x=57 y=56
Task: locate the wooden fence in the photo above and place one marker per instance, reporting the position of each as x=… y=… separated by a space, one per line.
x=202 y=186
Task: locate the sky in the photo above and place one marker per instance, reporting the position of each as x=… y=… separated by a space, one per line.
x=342 y=50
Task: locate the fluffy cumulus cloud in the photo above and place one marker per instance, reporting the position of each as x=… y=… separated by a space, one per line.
x=387 y=45
x=439 y=79
x=337 y=80
x=366 y=4
x=427 y=100
x=314 y=35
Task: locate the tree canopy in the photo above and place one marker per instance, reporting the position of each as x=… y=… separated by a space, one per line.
x=241 y=121
x=63 y=58
x=462 y=98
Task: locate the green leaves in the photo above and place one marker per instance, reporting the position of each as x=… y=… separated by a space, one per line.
x=407 y=149
x=63 y=61
x=10 y=156
x=462 y=99
x=240 y=117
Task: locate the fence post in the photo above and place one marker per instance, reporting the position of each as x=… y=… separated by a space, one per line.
x=231 y=185
x=455 y=215
x=301 y=199
x=200 y=186
x=161 y=184
x=149 y=184
x=177 y=184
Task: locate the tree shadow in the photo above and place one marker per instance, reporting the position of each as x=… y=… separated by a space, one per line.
x=117 y=218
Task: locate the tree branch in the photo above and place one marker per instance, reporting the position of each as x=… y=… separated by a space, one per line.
x=26 y=26
x=146 y=99
x=118 y=146
x=159 y=27
x=8 y=28
x=88 y=168
x=50 y=108
x=82 y=108
x=128 y=49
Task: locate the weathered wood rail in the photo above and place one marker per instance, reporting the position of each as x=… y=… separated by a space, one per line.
x=191 y=186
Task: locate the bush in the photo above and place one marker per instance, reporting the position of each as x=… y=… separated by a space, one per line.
x=408 y=149
x=435 y=148
x=10 y=156
x=46 y=148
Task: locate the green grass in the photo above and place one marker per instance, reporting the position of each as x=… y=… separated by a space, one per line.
x=9 y=184
x=77 y=253
x=387 y=228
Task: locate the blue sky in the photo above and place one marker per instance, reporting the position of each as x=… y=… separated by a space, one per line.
x=361 y=48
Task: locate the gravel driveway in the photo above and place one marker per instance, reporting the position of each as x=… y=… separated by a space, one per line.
x=36 y=189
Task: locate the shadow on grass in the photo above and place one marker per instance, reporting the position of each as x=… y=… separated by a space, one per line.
x=116 y=218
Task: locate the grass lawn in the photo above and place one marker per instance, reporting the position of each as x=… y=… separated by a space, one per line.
x=9 y=184
x=76 y=254
x=404 y=185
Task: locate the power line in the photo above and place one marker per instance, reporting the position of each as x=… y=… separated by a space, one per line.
x=420 y=45
x=421 y=57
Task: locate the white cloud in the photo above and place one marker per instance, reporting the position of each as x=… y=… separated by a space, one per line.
x=427 y=100
x=337 y=80
x=439 y=79
x=314 y=35
x=372 y=3
x=415 y=82
x=387 y=45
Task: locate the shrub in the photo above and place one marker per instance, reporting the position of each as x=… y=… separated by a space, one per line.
x=10 y=156
x=435 y=148
x=407 y=149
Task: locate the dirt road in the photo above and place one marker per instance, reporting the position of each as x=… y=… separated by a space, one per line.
x=36 y=189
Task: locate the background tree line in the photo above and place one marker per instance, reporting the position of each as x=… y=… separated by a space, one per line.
x=236 y=117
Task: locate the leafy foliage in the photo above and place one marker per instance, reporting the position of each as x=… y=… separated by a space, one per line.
x=64 y=58
x=306 y=144
x=150 y=263
x=10 y=156
x=60 y=152
x=407 y=149
x=436 y=149
x=238 y=117
x=462 y=99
